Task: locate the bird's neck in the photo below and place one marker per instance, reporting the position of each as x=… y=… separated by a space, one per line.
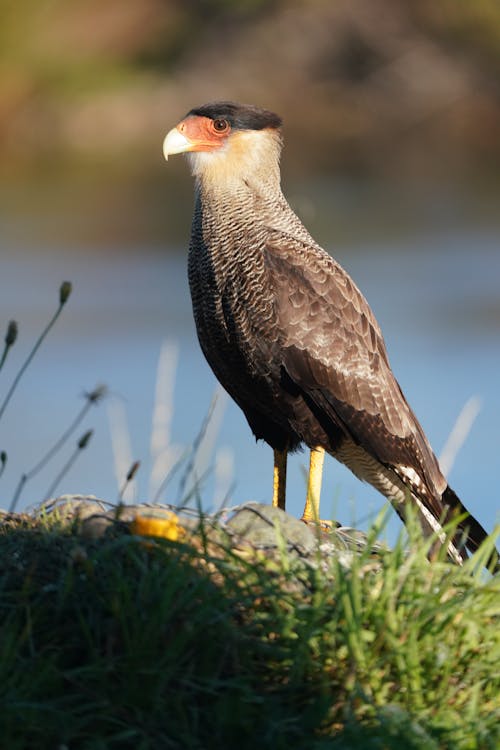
x=241 y=204
x=238 y=194
x=248 y=156
x=252 y=200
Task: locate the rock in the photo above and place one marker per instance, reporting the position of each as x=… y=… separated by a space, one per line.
x=95 y=526
x=69 y=508
x=264 y=526
x=253 y=529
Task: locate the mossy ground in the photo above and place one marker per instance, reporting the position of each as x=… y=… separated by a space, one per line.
x=126 y=643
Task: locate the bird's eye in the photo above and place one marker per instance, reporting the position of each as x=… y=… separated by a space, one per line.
x=220 y=125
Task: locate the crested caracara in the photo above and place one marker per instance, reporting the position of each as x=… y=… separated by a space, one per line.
x=290 y=336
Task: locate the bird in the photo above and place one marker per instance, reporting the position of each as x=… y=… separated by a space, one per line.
x=289 y=335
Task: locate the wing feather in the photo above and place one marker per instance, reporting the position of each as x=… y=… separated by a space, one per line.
x=333 y=349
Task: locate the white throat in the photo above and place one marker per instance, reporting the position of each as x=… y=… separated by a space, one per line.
x=249 y=156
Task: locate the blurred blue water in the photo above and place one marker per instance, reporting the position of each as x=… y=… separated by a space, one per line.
x=436 y=298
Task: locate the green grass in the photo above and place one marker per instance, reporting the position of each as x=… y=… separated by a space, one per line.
x=120 y=643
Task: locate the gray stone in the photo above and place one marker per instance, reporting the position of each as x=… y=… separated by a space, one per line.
x=68 y=508
x=264 y=526
x=95 y=527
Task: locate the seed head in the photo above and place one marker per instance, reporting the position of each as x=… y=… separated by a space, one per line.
x=82 y=443
x=11 y=334
x=64 y=292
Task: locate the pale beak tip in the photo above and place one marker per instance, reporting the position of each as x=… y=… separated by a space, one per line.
x=175 y=143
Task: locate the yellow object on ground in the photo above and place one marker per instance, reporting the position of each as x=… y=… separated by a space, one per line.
x=167 y=526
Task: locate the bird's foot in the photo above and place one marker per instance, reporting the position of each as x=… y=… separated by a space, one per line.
x=321 y=524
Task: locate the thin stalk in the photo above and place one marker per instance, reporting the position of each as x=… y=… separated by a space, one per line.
x=170 y=474
x=82 y=443
x=91 y=398
x=130 y=475
x=3 y=461
x=10 y=338
x=195 y=448
x=64 y=292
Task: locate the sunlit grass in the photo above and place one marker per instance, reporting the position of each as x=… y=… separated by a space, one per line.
x=127 y=644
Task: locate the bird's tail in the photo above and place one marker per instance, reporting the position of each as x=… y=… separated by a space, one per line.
x=472 y=533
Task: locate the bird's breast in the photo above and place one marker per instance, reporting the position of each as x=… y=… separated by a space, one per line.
x=232 y=299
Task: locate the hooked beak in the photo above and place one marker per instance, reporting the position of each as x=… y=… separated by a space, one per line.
x=175 y=143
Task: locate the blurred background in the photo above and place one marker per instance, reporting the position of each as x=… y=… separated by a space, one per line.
x=392 y=157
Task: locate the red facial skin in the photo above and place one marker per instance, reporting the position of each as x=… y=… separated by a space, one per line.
x=203 y=133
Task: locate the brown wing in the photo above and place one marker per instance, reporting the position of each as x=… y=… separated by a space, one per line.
x=333 y=350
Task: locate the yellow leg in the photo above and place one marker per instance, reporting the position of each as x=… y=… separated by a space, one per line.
x=311 y=509
x=279 y=480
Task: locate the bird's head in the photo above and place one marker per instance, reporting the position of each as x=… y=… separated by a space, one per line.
x=226 y=138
